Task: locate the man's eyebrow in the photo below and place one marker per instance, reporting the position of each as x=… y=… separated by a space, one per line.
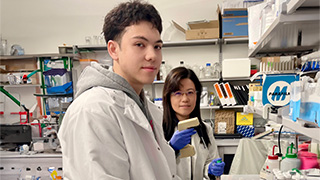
x=144 y=38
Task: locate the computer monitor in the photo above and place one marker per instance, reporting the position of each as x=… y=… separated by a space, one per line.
x=15 y=135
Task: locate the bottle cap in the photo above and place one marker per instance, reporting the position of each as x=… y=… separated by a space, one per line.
x=273 y=157
x=208 y=64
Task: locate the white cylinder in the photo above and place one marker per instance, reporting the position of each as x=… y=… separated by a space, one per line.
x=204 y=97
x=289 y=163
x=272 y=164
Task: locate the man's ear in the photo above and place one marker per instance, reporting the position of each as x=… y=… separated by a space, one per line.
x=113 y=48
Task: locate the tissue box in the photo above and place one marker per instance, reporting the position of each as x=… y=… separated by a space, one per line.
x=246 y=131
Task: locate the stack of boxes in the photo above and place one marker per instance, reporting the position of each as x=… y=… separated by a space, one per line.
x=235 y=23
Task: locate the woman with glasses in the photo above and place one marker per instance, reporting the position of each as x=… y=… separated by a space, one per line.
x=181 y=101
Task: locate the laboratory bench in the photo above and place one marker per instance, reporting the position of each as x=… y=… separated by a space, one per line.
x=14 y=165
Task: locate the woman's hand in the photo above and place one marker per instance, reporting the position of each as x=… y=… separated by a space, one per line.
x=181 y=138
x=216 y=168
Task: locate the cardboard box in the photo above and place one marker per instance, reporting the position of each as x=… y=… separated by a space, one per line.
x=201 y=29
x=224 y=122
x=28 y=64
x=235 y=12
x=270 y=59
x=246 y=131
x=244 y=119
x=234 y=26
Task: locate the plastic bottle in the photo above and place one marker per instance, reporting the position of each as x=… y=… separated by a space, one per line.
x=218 y=177
x=163 y=71
x=204 y=97
x=146 y=93
x=267 y=16
x=201 y=72
x=290 y=161
x=271 y=164
x=208 y=71
x=211 y=99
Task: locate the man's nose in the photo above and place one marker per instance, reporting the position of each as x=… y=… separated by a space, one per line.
x=151 y=54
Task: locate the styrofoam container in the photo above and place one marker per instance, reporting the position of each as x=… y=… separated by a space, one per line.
x=239 y=67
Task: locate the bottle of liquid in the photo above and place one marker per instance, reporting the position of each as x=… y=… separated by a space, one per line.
x=271 y=163
x=211 y=99
x=208 y=71
x=163 y=71
x=204 y=97
x=290 y=161
x=146 y=93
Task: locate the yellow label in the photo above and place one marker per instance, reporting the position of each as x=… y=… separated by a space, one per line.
x=244 y=119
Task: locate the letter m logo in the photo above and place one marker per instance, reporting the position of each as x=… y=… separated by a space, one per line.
x=278 y=94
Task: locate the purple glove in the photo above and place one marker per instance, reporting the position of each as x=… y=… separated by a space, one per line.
x=216 y=168
x=181 y=138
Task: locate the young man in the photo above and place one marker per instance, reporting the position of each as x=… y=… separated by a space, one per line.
x=111 y=131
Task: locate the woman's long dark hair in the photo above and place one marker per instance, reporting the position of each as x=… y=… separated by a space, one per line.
x=172 y=84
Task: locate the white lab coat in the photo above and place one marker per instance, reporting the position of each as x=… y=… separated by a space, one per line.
x=105 y=135
x=200 y=161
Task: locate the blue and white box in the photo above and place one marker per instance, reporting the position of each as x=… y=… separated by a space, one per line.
x=276 y=89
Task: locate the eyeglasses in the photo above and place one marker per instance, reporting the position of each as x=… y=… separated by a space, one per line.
x=189 y=93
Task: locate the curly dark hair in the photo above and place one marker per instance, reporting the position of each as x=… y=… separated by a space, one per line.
x=127 y=14
x=172 y=84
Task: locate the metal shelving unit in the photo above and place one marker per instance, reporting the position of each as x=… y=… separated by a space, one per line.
x=221 y=107
x=165 y=44
x=290 y=34
x=294 y=33
x=293 y=5
x=297 y=126
x=235 y=40
x=20 y=85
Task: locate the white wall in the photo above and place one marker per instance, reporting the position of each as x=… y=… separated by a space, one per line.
x=40 y=26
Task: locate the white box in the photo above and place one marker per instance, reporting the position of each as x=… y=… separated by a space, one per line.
x=236 y=68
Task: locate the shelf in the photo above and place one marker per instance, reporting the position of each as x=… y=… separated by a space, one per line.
x=235 y=40
x=293 y=34
x=101 y=47
x=271 y=116
x=191 y=43
x=8 y=57
x=31 y=56
x=298 y=126
x=201 y=80
x=237 y=79
x=221 y=107
x=53 y=95
x=20 y=85
x=165 y=44
x=293 y=5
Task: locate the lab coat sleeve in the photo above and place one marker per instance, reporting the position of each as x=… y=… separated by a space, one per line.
x=98 y=146
x=213 y=151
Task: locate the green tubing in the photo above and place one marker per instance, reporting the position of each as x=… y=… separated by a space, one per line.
x=32 y=73
x=10 y=96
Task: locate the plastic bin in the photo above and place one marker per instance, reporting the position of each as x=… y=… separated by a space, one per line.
x=86 y=62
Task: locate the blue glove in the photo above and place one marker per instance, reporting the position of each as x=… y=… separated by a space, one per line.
x=216 y=168
x=181 y=138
